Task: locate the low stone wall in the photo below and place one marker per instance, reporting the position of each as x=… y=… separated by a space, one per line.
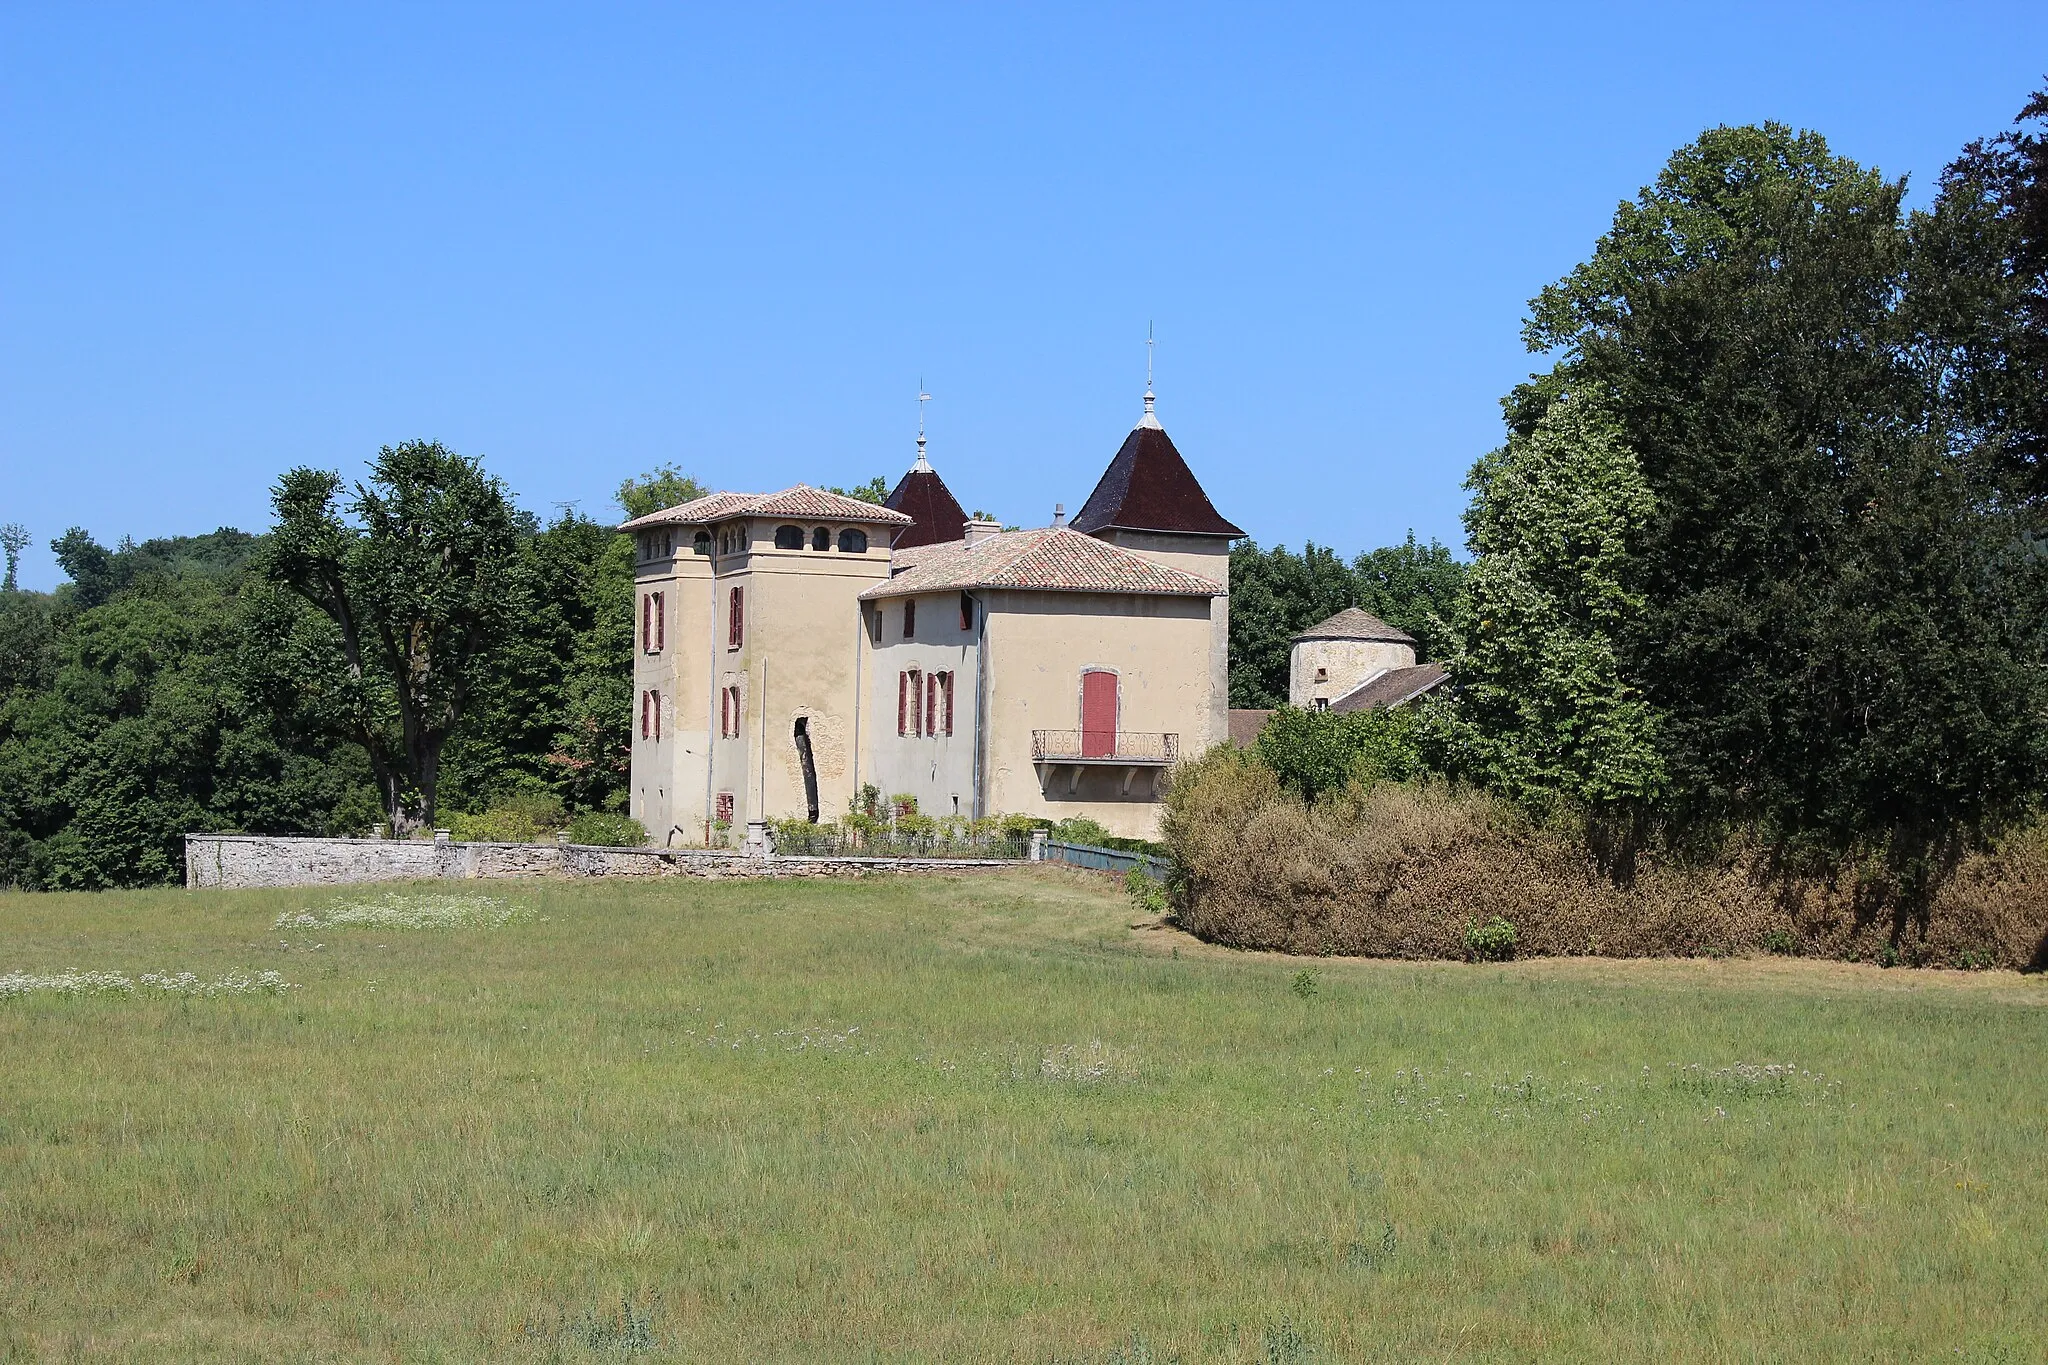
x=242 y=860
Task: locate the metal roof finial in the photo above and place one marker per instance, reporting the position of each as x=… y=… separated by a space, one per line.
x=923 y=466
x=1149 y=419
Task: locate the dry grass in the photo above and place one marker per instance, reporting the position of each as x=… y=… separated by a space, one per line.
x=960 y=1119
x=1403 y=870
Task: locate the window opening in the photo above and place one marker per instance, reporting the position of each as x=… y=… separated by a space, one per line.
x=909 y=617
x=701 y=543
x=821 y=539
x=803 y=753
x=853 y=542
x=875 y=625
x=966 y=612
x=789 y=537
x=723 y=807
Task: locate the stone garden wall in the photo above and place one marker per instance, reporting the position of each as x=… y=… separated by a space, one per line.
x=241 y=860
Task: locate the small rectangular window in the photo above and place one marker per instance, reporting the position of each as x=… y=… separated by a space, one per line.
x=966 y=612
x=875 y=626
x=909 y=617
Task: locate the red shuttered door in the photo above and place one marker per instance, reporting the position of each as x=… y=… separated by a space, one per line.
x=1098 y=714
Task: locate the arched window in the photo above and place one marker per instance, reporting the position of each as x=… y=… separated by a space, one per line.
x=853 y=541
x=789 y=537
x=701 y=543
x=821 y=539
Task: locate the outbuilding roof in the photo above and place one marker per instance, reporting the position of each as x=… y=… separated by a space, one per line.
x=801 y=503
x=1395 y=687
x=1050 y=559
x=1353 y=624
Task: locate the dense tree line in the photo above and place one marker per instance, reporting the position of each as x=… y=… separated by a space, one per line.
x=190 y=683
x=1765 y=546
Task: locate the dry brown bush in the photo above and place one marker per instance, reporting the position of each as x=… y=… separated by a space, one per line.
x=1401 y=870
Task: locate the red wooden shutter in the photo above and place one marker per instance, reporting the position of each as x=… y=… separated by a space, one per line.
x=646 y=627
x=948 y=691
x=735 y=620
x=657 y=713
x=660 y=622
x=916 y=702
x=902 y=693
x=643 y=715
x=931 y=704
x=1098 y=714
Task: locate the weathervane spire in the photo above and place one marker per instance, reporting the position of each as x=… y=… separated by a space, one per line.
x=923 y=465
x=1149 y=419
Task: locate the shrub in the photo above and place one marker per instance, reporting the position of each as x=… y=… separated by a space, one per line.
x=1781 y=942
x=1315 y=753
x=1080 y=829
x=530 y=817
x=1305 y=984
x=1402 y=869
x=606 y=828
x=1146 y=892
x=1493 y=941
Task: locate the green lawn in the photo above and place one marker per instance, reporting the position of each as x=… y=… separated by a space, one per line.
x=984 y=1119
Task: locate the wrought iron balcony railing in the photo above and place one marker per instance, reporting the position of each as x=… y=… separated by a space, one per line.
x=1103 y=746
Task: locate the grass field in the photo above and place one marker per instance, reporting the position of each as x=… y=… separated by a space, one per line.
x=985 y=1119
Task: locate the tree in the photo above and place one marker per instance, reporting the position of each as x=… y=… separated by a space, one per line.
x=14 y=538
x=660 y=488
x=1416 y=587
x=1543 y=706
x=875 y=490
x=417 y=594
x=1837 y=628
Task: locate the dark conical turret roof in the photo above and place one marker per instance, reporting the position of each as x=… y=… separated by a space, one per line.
x=934 y=512
x=1149 y=487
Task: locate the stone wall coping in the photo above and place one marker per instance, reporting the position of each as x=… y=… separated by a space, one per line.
x=652 y=850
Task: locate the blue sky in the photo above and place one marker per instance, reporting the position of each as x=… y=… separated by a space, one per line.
x=584 y=241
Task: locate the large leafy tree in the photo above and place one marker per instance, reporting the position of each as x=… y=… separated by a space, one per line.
x=1543 y=704
x=414 y=579
x=1835 y=578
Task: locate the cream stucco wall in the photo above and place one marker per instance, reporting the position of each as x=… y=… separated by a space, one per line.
x=666 y=788
x=938 y=770
x=1345 y=663
x=1205 y=557
x=1038 y=644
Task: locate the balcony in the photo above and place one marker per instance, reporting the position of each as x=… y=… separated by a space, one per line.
x=1135 y=751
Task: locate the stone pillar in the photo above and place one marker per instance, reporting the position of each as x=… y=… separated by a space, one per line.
x=444 y=855
x=1037 y=845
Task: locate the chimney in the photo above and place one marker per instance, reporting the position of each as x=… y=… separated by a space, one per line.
x=1059 y=514
x=981 y=528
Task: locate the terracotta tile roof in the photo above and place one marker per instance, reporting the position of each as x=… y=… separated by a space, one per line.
x=1050 y=559
x=1149 y=487
x=1246 y=726
x=803 y=503
x=1395 y=687
x=1353 y=624
x=934 y=511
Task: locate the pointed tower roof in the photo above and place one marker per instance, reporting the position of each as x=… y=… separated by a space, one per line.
x=933 y=510
x=1149 y=487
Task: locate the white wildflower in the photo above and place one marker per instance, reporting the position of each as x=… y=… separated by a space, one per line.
x=398 y=910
